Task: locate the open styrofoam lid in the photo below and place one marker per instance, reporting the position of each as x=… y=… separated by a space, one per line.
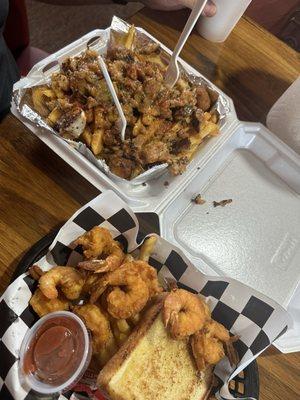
x=255 y=238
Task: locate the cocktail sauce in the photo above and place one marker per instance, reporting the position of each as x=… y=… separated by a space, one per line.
x=55 y=351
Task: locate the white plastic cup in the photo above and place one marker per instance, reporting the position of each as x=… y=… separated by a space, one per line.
x=29 y=380
x=218 y=27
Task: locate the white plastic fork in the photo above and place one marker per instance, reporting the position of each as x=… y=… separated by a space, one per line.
x=172 y=73
x=122 y=120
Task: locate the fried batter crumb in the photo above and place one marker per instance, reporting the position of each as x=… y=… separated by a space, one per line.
x=198 y=200
x=222 y=203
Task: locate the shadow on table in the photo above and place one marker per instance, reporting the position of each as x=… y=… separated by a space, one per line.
x=174 y=19
x=62 y=174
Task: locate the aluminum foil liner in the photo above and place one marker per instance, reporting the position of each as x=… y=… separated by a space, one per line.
x=255 y=318
x=22 y=102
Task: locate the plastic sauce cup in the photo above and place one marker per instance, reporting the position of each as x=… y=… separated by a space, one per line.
x=54 y=353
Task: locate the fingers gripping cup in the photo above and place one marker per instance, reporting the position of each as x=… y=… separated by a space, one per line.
x=218 y=27
x=55 y=353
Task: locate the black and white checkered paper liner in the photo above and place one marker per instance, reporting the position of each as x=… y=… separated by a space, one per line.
x=257 y=319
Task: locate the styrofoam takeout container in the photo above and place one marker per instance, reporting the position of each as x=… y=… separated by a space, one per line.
x=255 y=239
x=134 y=195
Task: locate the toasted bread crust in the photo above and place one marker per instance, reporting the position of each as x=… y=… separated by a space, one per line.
x=124 y=352
x=210 y=384
x=114 y=364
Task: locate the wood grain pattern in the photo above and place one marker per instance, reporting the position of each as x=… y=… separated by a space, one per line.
x=38 y=191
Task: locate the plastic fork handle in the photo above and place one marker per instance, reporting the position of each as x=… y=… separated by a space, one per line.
x=114 y=96
x=193 y=18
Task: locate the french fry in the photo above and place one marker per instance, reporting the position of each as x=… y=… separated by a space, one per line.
x=129 y=39
x=128 y=258
x=123 y=326
x=121 y=330
x=214 y=117
x=87 y=136
x=156 y=59
x=123 y=337
x=182 y=84
x=54 y=116
x=147 y=248
x=135 y=319
x=49 y=93
x=97 y=141
x=208 y=128
x=207 y=116
x=38 y=100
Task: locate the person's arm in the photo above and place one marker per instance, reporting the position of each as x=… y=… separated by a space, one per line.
x=209 y=10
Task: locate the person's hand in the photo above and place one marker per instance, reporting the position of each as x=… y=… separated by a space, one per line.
x=209 y=10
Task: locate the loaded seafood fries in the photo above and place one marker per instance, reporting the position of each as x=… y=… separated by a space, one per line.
x=146 y=339
x=164 y=125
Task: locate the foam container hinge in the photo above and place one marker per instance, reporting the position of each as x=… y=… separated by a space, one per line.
x=256 y=238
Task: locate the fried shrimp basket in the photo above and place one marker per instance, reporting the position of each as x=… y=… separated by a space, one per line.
x=255 y=318
x=245 y=384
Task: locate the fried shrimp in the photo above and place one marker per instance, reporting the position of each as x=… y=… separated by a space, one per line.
x=184 y=313
x=147 y=273
x=90 y=280
x=210 y=345
x=68 y=279
x=108 y=264
x=94 y=242
x=128 y=295
x=103 y=254
x=42 y=305
x=96 y=321
x=147 y=248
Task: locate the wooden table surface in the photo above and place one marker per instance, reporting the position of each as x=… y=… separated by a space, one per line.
x=38 y=190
